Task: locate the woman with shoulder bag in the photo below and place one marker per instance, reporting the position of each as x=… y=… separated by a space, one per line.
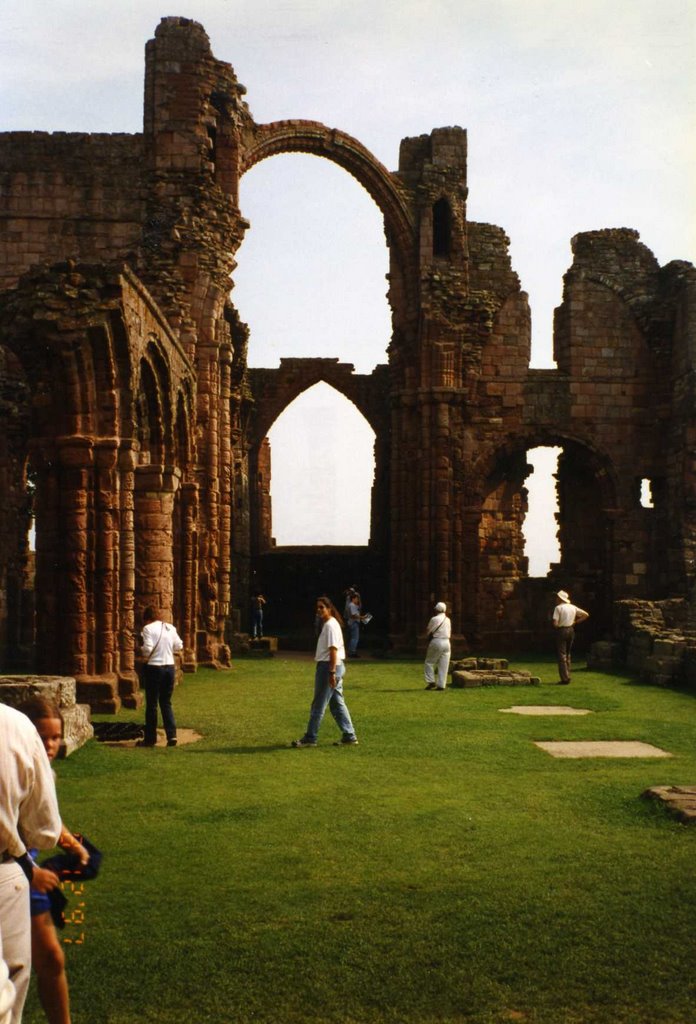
x=160 y=643
x=437 y=656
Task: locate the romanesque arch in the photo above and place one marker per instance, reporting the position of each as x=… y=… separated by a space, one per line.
x=263 y=141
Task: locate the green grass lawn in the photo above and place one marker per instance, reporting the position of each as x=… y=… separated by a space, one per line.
x=445 y=870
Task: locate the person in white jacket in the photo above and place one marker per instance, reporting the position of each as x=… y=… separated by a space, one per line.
x=437 y=656
x=160 y=643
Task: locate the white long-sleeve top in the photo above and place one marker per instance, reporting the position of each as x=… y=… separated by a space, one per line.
x=440 y=626
x=160 y=643
x=29 y=813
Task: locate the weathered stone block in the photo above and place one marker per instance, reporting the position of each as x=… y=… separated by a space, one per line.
x=62 y=690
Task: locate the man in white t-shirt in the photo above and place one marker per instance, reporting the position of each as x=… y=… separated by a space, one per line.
x=565 y=616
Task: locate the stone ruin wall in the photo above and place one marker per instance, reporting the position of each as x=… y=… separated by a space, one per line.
x=124 y=390
x=654 y=639
x=86 y=190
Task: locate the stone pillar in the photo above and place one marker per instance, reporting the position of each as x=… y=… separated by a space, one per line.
x=128 y=679
x=154 y=567
x=48 y=562
x=73 y=555
x=106 y=522
x=189 y=573
x=404 y=502
x=224 y=472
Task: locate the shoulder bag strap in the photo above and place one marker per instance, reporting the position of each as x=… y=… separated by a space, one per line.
x=147 y=662
x=440 y=623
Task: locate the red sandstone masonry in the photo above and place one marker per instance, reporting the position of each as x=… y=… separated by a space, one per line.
x=124 y=387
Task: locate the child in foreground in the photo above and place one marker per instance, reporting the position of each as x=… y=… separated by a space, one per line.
x=48 y=958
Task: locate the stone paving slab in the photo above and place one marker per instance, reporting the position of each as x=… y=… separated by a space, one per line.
x=600 y=748
x=183 y=736
x=544 y=709
x=679 y=800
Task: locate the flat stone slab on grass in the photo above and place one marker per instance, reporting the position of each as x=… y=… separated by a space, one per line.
x=680 y=801
x=544 y=709
x=183 y=736
x=600 y=748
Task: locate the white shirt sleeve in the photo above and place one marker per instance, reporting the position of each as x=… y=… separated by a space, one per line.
x=39 y=817
x=29 y=813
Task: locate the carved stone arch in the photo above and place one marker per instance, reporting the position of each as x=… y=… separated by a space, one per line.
x=124 y=365
x=283 y=386
x=105 y=377
x=149 y=416
x=299 y=136
x=183 y=434
x=155 y=412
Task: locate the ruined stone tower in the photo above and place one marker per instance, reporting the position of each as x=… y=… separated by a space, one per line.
x=135 y=437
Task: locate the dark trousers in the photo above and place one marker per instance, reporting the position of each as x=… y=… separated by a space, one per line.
x=159 y=686
x=564 y=643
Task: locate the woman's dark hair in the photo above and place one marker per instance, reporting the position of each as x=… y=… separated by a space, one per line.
x=150 y=614
x=37 y=708
x=328 y=603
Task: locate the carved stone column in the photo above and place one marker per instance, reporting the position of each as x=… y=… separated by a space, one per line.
x=189 y=573
x=106 y=526
x=128 y=679
x=74 y=555
x=154 y=563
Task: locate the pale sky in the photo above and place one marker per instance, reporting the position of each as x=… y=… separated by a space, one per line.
x=581 y=115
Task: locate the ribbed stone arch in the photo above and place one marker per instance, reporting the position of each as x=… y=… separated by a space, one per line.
x=298 y=136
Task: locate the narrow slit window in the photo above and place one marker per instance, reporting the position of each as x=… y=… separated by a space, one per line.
x=442 y=228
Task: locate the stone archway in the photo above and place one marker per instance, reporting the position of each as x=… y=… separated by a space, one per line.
x=298 y=136
x=273 y=391
x=506 y=599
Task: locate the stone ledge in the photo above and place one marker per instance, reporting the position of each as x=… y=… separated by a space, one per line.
x=680 y=801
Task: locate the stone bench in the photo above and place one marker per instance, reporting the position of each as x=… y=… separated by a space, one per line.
x=60 y=689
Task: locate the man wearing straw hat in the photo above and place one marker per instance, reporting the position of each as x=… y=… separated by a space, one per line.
x=565 y=616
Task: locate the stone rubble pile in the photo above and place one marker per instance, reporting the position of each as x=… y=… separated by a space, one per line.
x=489 y=672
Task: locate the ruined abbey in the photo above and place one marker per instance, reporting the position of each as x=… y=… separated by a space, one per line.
x=134 y=436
